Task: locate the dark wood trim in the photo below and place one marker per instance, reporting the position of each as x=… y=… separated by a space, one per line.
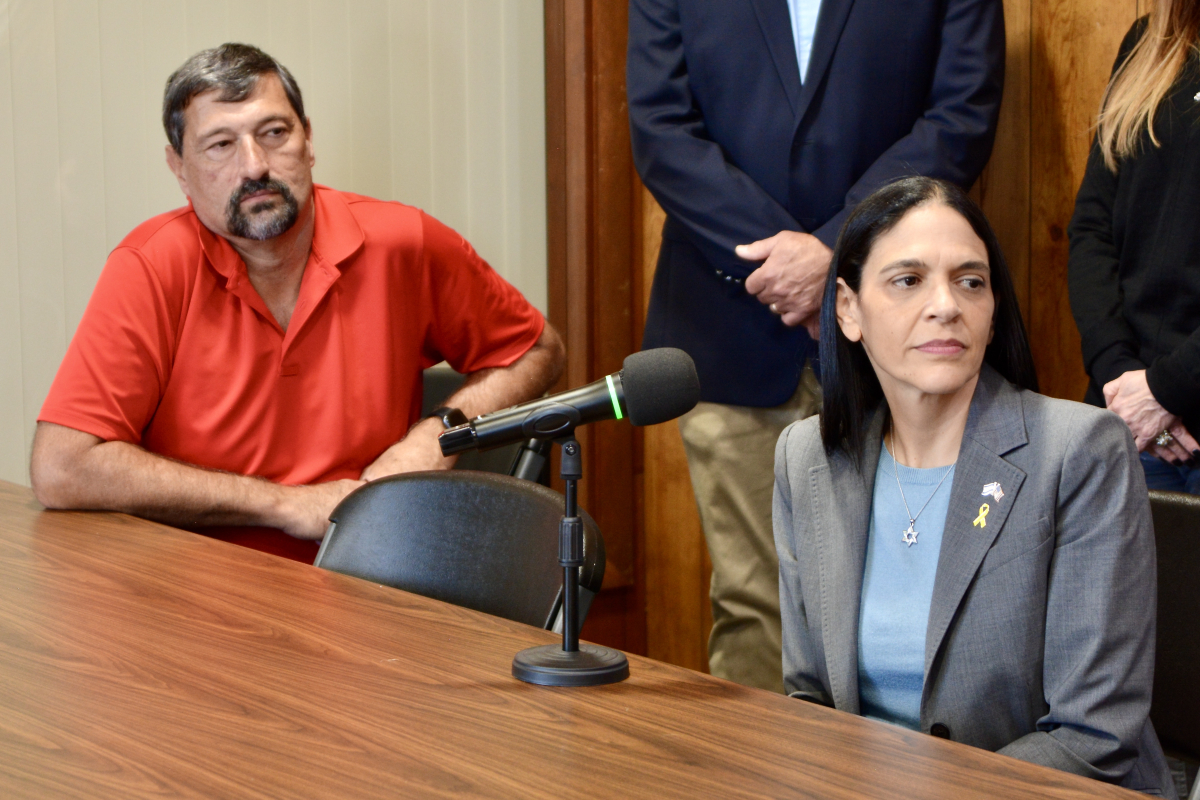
x=590 y=199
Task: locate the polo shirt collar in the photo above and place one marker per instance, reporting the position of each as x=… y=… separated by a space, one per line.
x=336 y=237
x=336 y=233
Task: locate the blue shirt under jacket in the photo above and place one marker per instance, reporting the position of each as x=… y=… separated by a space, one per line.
x=804 y=26
x=897 y=590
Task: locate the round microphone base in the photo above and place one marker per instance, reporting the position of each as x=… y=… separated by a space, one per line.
x=590 y=665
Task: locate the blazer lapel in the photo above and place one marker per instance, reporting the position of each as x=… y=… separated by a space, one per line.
x=995 y=426
x=830 y=23
x=776 y=23
x=841 y=499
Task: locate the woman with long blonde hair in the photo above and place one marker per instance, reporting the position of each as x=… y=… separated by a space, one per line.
x=1135 y=245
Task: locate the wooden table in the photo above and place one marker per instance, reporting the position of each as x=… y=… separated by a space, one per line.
x=140 y=661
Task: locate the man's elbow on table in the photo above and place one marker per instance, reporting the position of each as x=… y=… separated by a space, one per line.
x=55 y=469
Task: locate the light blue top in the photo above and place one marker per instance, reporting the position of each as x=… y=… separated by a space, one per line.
x=804 y=24
x=897 y=590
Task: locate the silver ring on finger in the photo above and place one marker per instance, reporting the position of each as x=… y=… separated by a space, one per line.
x=775 y=310
x=1164 y=438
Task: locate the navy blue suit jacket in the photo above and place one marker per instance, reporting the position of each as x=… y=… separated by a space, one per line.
x=735 y=149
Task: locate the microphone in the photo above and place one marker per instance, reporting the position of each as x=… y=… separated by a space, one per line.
x=653 y=386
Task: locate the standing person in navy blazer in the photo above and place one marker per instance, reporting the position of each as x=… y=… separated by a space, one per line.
x=758 y=125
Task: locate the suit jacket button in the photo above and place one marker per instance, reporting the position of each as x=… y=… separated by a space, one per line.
x=940 y=731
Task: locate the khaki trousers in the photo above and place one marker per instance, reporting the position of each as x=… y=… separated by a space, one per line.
x=731 y=458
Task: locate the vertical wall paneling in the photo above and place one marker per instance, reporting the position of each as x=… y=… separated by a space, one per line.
x=486 y=140
x=127 y=145
x=207 y=22
x=39 y=209
x=81 y=153
x=1074 y=44
x=401 y=109
x=333 y=136
x=448 y=142
x=412 y=167
x=289 y=39
x=370 y=115
x=1003 y=188
x=524 y=126
x=13 y=442
x=161 y=54
x=677 y=568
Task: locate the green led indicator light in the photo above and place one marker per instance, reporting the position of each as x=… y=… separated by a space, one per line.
x=612 y=394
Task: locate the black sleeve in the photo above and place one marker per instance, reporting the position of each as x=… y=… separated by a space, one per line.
x=1174 y=381
x=719 y=204
x=1110 y=346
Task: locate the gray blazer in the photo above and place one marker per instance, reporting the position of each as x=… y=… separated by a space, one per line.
x=1040 y=642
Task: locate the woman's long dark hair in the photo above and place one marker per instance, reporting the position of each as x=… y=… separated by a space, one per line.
x=850 y=388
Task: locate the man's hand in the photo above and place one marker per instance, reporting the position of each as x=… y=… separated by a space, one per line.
x=305 y=510
x=1129 y=397
x=417 y=451
x=792 y=277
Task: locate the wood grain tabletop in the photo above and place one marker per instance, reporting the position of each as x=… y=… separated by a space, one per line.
x=140 y=661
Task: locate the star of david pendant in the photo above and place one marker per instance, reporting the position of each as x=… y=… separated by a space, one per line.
x=909 y=537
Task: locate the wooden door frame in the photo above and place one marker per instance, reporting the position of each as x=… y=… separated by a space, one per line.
x=595 y=280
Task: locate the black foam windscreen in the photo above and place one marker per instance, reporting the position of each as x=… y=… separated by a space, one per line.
x=659 y=385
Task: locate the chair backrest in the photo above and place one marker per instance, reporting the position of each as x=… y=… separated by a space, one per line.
x=1176 y=707
x=474 y=539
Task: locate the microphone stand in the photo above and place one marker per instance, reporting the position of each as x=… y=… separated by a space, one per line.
x=571 y=664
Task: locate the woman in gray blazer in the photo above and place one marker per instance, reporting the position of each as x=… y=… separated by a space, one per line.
x=958 y=554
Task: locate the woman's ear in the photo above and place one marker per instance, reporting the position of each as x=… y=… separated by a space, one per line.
x=848 y=312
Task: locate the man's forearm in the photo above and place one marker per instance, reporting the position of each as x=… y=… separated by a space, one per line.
x=483 y=391
x=72 y=469
x=526 y=378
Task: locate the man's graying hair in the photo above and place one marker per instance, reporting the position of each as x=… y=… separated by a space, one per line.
x=233 y=70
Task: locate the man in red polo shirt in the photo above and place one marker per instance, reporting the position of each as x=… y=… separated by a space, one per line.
x=248 y=360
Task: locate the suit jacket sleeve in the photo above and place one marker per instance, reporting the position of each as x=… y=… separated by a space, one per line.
x=953 y=138
x=719 y=204
x=1110 y=346
x=1100 y=610
x=800 y=676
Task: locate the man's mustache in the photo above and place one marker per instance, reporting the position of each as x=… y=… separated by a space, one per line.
x=250 y=187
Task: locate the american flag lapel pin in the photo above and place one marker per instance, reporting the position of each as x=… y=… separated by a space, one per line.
x=993 y=490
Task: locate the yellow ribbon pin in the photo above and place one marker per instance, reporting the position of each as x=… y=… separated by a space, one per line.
x=981 y=520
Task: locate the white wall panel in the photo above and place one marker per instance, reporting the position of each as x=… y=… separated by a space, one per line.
x=370 y=88
x=39 y=209
x=412 y=103
x=81 y=153
x=436 y=103
x=483 y=110
x=12 y=393
x=448 y=122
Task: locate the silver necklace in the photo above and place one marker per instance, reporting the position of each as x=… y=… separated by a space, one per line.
x=909 y=537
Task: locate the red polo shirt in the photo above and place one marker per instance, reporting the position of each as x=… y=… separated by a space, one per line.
x=178 y=353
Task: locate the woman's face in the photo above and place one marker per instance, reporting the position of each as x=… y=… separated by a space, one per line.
x=924 y=306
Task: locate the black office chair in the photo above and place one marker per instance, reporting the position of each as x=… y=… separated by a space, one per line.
x=474 y=539
x=1175 y=710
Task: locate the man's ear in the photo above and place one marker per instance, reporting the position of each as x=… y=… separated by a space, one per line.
x=175 y=164
x=848 y=312
x=312 y=154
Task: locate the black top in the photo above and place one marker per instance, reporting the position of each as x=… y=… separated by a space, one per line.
x=1135 y=255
